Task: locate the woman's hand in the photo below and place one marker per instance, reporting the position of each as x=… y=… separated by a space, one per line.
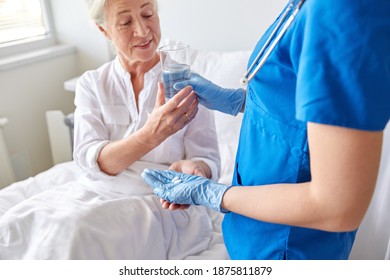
x=169 y=117
x=192 y=167
x=165 y=120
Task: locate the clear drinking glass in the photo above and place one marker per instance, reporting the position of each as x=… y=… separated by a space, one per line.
x=175 y=65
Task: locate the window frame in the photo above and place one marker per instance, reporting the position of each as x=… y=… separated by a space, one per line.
x=32 y=44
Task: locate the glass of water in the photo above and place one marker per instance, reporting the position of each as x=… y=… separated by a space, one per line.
x=175 y=66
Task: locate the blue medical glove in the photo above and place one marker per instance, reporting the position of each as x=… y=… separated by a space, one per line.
x=180 y=188
x=229 y=101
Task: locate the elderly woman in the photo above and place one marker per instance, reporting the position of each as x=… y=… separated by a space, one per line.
x=122 y=125
x=120 y=113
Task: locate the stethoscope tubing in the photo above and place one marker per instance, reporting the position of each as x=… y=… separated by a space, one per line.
x=262 y=57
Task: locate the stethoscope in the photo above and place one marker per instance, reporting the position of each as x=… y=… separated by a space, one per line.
x=271 y=43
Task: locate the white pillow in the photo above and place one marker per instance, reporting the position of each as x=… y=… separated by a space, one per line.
x=224 y=69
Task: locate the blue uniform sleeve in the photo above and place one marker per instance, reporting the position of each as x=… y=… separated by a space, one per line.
x=343 y=63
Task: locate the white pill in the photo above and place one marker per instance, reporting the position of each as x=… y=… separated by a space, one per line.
x=175 y=179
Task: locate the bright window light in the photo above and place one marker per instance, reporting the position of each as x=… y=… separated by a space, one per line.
x=21 y=21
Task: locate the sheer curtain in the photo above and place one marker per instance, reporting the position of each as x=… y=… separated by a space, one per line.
x=373 y=237
x=25 y=26
x=21 y=19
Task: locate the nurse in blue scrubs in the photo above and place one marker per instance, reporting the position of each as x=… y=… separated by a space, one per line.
x=311 y=136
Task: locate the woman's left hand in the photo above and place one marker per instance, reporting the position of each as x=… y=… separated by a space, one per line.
x=189 y=167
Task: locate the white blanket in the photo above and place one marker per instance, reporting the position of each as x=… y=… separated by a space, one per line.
x=60 y=214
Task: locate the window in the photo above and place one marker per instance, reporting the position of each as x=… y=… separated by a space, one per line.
x=24 y=26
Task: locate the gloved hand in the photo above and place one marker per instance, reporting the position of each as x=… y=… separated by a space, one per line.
x=229 y=101
x=182 y=188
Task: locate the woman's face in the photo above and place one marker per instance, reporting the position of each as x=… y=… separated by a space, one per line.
x=134 y=28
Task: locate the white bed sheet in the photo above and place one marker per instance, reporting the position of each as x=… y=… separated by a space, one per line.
x=59 y=214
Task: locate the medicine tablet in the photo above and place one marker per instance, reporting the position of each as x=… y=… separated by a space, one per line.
x=175 y=179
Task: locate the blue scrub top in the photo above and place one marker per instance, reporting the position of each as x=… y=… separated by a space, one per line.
x=331 y=67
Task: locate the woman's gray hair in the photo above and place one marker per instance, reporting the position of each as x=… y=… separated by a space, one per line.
x=96 y=10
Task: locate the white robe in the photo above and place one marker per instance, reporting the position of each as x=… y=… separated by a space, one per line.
x=106 y=111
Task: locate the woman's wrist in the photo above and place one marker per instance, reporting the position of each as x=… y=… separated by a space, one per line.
x=205 y=168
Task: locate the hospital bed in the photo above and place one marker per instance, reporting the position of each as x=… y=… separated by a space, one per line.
x=225 y=69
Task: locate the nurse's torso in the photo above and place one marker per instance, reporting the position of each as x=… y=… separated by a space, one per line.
x=273 y=149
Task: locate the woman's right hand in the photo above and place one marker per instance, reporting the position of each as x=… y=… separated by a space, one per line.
x=165 y=120
x=169 y=117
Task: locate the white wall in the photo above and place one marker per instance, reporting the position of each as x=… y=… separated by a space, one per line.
x=225 y=25
x=26 y=92
x=73 y=27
